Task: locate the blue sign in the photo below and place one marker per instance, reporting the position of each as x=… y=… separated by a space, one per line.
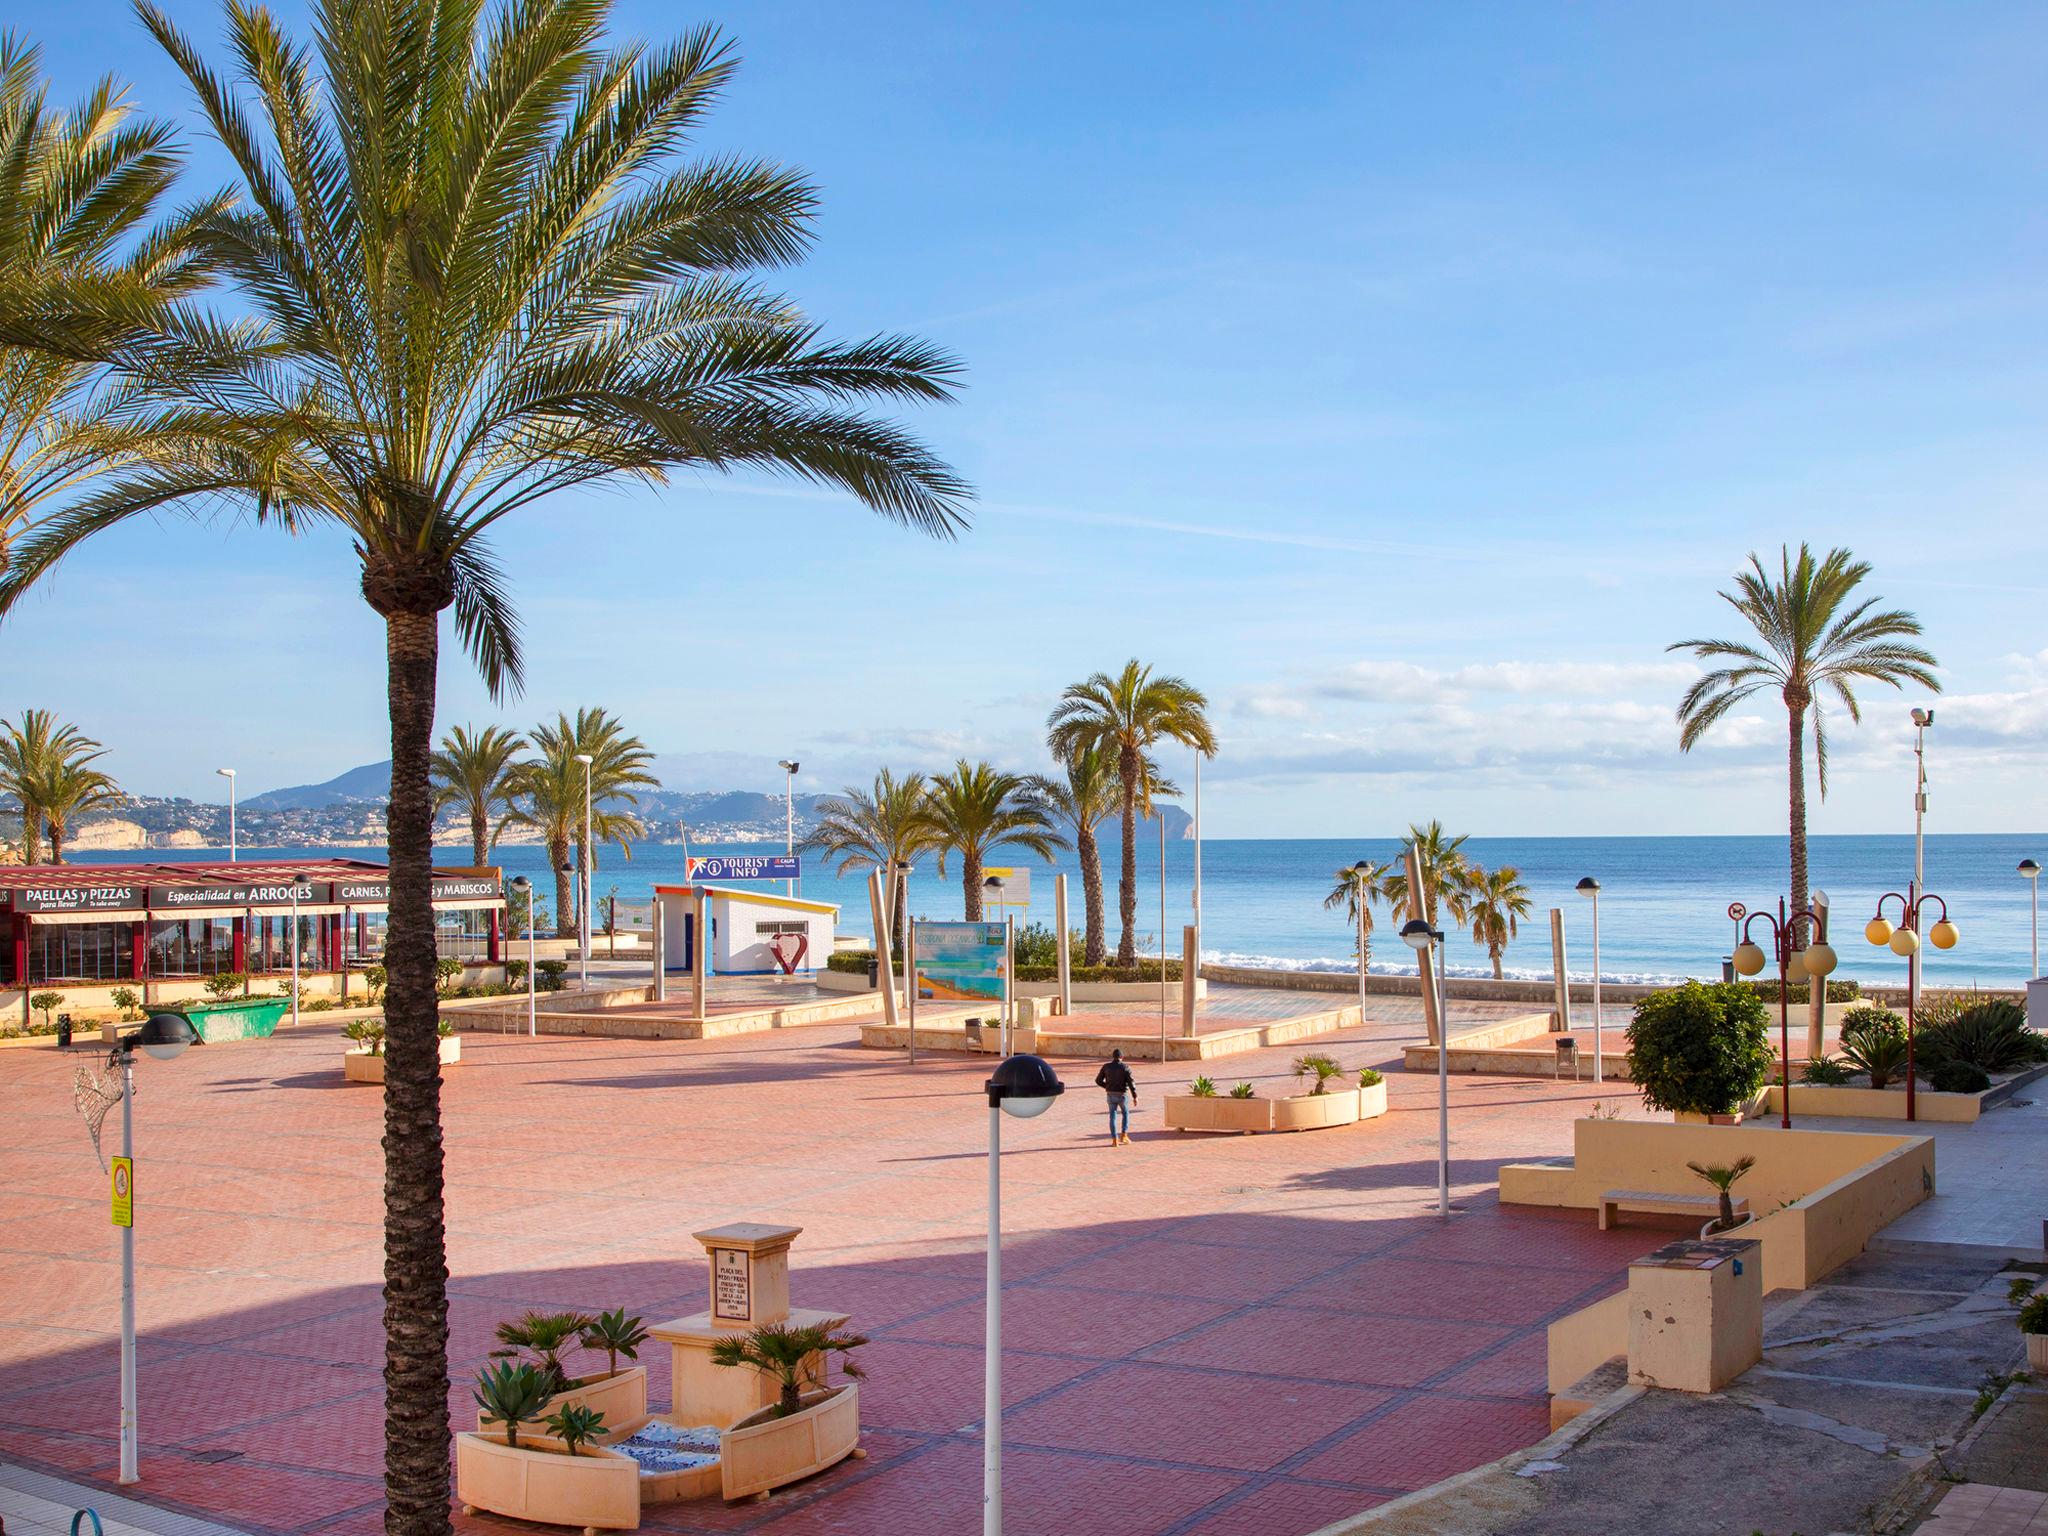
x=744 y=867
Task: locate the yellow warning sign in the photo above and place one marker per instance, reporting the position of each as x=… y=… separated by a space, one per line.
x=124 y=1192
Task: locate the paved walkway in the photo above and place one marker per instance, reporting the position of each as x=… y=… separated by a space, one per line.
x=1990 y=1189
x=1207 y=1337
x=36 y=1504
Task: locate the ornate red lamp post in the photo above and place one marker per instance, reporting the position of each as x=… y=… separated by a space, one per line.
x=1904 y=940
x=1816 y=960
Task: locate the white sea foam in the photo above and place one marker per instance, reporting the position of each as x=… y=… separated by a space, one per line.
x=1344 y=965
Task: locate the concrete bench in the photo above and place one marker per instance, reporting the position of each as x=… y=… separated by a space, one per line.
x=1653 y=1203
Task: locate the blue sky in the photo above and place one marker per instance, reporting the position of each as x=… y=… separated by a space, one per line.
x=1407 y=377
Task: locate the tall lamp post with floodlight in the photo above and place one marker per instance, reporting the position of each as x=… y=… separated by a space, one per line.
x=163 y=1037
x=524 y=887
x=1024 y=1086
x=583 y=857
x=1359 y=872
x=789 y=766
x=1904 y=939
x=1816 y=960
x=1428 y=943
x=1591 y=887
x=2031 y=873
x=229 y=775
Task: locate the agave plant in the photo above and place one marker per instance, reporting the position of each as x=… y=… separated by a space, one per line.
x=1990 y=1033
x=1369 y=1078
x=545 y=1336
x=368 y=1033
x=1723 y=1176
x=1203 y=1088
x=575 y=1425
x=783 y=1352
x=510 y=1392
x=1243 y=1091
x=616 y=1334
x=1874 y=1041
x=1324 y=1068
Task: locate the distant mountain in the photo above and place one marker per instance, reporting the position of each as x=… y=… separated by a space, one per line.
x=370 y=784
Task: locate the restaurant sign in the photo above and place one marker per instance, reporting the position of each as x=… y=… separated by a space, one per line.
x=377 y=893
x=175 y=898
x=78 y=898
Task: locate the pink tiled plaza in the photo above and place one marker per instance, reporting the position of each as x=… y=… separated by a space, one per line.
x=1245 y=1336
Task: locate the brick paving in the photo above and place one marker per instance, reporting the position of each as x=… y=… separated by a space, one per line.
x=1206 y=1336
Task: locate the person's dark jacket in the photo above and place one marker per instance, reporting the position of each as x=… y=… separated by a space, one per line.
x=1115 y=1077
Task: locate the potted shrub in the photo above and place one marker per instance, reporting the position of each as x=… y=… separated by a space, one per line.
x=1203 y=1088
x=1324 y=1067
x=1874 y=1043
x=1201 y=1108
x=2033 y=1305
x=1243 y=1091
x=810 y=1426
x=557 y=1477
x=1700 y=1051
x=1723 y=1177
x=363 y=1062
x=1372 y=1094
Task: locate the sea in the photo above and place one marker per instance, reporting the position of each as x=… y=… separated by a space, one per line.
x=1663 y=903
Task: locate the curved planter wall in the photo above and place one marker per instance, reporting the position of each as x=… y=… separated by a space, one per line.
x=1300 y=1112
x=598 y=1488
x=760 y=1453
x=622 y=1399
x=359 y=1066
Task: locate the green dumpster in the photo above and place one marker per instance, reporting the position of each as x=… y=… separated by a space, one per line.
x=241 y=1018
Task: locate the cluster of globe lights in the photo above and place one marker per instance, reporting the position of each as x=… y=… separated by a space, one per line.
x=1821 y=959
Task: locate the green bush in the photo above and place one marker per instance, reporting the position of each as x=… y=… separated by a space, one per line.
x=1826 y=1072
x=1700 y=1049
x=553 y=973
x=1368 y=1078
x=1038 y=947
x=1324 y=1068
x=318 y=1004
x=1874 y=1041
x=1990 y=1033
x=125 y=999
x=225 y=984
x=515 y=972
x=375 y=977
x=1959 y=1077
x=1203 y=1088
x=1243 y=1091
x=850 y=962
x=47 y=1003
x=445 y=971
x=1144 y=970
x=1838 y=991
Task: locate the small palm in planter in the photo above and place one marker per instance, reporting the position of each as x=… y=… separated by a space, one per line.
x=1723 y=1177
x=508 y=1393
x=617 y=1335
x=2033 y=1305
x=544 y=1336
x=1324 y=1068
x=778 y=1350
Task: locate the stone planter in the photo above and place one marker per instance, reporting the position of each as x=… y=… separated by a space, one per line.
x=1316 y=1111
x=359 y=1066
x=762 y=1452
x=1187 y=1112
x=596 y=1490
x=1372 y=1101
x=622 y=1399
x=1299 y=1112
x=2037 y=1353
x=1687 y=1117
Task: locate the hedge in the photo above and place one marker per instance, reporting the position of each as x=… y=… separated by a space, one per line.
x=850 y=962
x=1838 y=991
x=1699 y=1049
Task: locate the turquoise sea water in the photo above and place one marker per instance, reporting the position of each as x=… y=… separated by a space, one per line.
x=1663 y=906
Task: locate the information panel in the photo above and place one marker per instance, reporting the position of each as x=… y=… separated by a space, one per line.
x=961 y=962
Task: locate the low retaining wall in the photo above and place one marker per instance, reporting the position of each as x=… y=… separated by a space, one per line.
x=1136 y=1046
x=1481 y=988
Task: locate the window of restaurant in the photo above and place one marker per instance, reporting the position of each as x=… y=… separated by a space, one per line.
x=81 y=952
x=462 y=935
x=270 y=943
x=192 y=946
x=362 y=939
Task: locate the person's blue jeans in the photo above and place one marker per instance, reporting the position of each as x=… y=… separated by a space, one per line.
x=1119 y=1111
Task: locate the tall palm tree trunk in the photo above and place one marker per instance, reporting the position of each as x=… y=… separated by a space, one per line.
x=415 y=1246
x=1094 y=950
x=1128 y=769
x=56 y=829
x=1494 y=951
x=970 y=885
x=558 y=856
x=1795 y=767
x=479 y=836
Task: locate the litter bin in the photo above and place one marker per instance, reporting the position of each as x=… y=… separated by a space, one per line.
x=63 y=1031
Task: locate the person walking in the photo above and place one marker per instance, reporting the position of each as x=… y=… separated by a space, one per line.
x=1115 y=1079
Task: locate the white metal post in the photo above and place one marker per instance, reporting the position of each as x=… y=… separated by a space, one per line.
x=1161 y=814
x=1199 y=754
x=2034 y=965
x=1919 y=860
x=295 y=951
x=1598 y=1017
x=1359 y=897
x=1009 y=968
x=583 y=937
x=1443 y=1086
x=532 y=973
x=992 y=1343
x=129 y=1471
x=789 y=821
x=908 y=939
x=1063 y=960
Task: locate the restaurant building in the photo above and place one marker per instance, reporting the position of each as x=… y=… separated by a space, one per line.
x=148 y=926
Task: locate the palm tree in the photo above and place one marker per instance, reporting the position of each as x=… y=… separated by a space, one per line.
x=1494 y=904
x=1083 y=796
x=1126 y=714
x=884 y=827
x=1813 y=638
x=76 y=190
x=474 y=773
x=48 y=768
x=548 y=795
x=976 y=810
x=1358 y=887
x=473 y=268
x=1446 y=874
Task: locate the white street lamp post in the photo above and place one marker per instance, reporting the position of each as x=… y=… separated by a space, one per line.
x=1024 y=1086
x=164 y=1036
x=295 y=951
x=1591 y=887
x=1427 y=942
x=789 y=766
x=1359 y=872
x=2031 y=873
x=524 y=887
x=1922 y=718
x=583 y=858
x=229 y=775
